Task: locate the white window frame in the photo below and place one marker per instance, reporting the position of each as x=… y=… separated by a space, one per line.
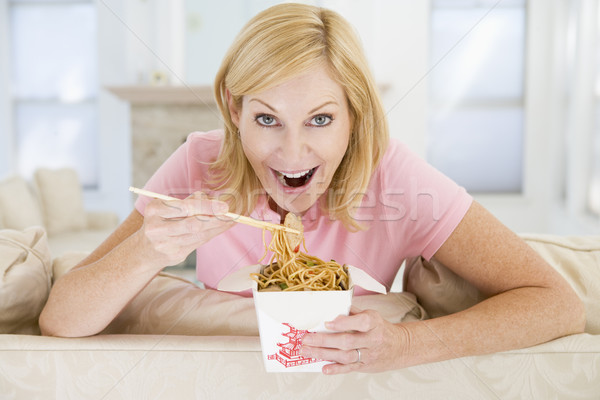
x=7 y=149
x=542 y=206
x=554 y=189
x=114 y=152
x=493 y=102
x=558 y=134
x=530 y=209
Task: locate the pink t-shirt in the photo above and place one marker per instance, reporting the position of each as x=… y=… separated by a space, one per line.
x=410 y=209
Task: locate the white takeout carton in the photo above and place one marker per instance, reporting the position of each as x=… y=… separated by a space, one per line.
x=285 y=317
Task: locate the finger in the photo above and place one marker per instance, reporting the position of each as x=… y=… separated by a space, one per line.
x=334 y=355
x=192 y=226
x=355 y=310
x=192 y=206
x=363 y=321
x=195 y=239
x=165 y=209
x=335 y=369
x=201 y=204
x=197 y=195
x=342 y=340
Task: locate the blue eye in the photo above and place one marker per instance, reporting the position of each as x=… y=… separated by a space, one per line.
x=265 y=120
x=321 y=120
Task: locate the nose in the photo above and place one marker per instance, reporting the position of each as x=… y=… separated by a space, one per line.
x=294 y=145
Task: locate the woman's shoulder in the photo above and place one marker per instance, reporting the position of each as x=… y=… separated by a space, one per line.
x=396 y=154
x=400 y=164
x=208 y=137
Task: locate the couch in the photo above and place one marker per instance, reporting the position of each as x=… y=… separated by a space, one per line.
x=54 y=201
x=177 y=341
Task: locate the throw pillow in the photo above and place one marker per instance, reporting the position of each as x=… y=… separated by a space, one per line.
x=440 y=291
x=25 y=267
x=65 y=262
x=61 y=199
x=170 y=305
x=577 y=258
x=19 y=207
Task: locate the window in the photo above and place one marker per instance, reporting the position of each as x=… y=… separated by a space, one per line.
x=593 y=195
x=476 y=126
x=581 y=105
x=594 y=189
x=53 y=68
x=593 y=201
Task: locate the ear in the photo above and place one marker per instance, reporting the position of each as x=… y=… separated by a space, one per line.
x=233 y=111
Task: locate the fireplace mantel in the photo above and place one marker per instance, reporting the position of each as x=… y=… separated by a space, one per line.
x=161 y=117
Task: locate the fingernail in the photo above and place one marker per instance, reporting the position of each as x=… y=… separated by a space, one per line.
x=329 y=325
x=306 y=352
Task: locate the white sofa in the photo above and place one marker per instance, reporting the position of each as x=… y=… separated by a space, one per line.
x=177 y=341
x=54 y=201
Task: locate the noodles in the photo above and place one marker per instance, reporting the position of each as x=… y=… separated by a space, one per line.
x=294 y=270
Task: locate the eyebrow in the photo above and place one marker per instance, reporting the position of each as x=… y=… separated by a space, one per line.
x=310 y=112
x=264 y=104
x=322 y=105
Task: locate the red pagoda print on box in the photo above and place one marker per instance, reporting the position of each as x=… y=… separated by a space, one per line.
x=289 y=353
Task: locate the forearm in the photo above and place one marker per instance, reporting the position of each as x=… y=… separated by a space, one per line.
x=514 y=319
x=85 y=300
x=533 y=303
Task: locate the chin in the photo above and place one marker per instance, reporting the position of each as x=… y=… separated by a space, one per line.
x=297 y=203
x=296 y=207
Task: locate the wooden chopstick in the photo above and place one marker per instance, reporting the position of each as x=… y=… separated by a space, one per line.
x=235 y=217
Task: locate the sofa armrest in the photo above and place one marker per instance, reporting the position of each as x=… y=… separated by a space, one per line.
x=98 y=220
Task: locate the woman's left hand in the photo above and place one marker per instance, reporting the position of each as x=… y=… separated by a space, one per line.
x=380 y=343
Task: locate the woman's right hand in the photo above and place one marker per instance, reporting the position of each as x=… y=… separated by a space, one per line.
x=173 y=229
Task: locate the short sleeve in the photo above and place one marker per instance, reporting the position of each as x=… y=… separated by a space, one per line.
x=185 y=171
x=431 y=205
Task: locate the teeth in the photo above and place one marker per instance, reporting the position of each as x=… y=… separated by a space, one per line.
x=283 y=175
x=296 y=175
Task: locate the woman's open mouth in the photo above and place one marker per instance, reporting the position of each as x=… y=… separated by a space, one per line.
x=296 y=179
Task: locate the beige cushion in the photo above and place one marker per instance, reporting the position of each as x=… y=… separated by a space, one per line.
x=171 y=305
x=84 y=240
x=100 y=220
x=174 y=306
x=19 y=207
x=25 y=268
x=439 y=290
x=66 y=261
x=577 y=259
x=61 y=200
x=394 y=307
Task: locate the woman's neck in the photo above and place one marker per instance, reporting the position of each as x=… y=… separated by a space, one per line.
x=275 y=207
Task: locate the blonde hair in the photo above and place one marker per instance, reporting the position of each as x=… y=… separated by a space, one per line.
x=279 y=44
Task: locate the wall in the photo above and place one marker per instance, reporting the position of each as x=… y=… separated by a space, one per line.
x=136 y=47
x=6 y=143
x=185 y=40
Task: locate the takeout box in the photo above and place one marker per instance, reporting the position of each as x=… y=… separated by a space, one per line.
x=285 y=317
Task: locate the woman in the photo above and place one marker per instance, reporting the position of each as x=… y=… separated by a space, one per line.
x=305 y=132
